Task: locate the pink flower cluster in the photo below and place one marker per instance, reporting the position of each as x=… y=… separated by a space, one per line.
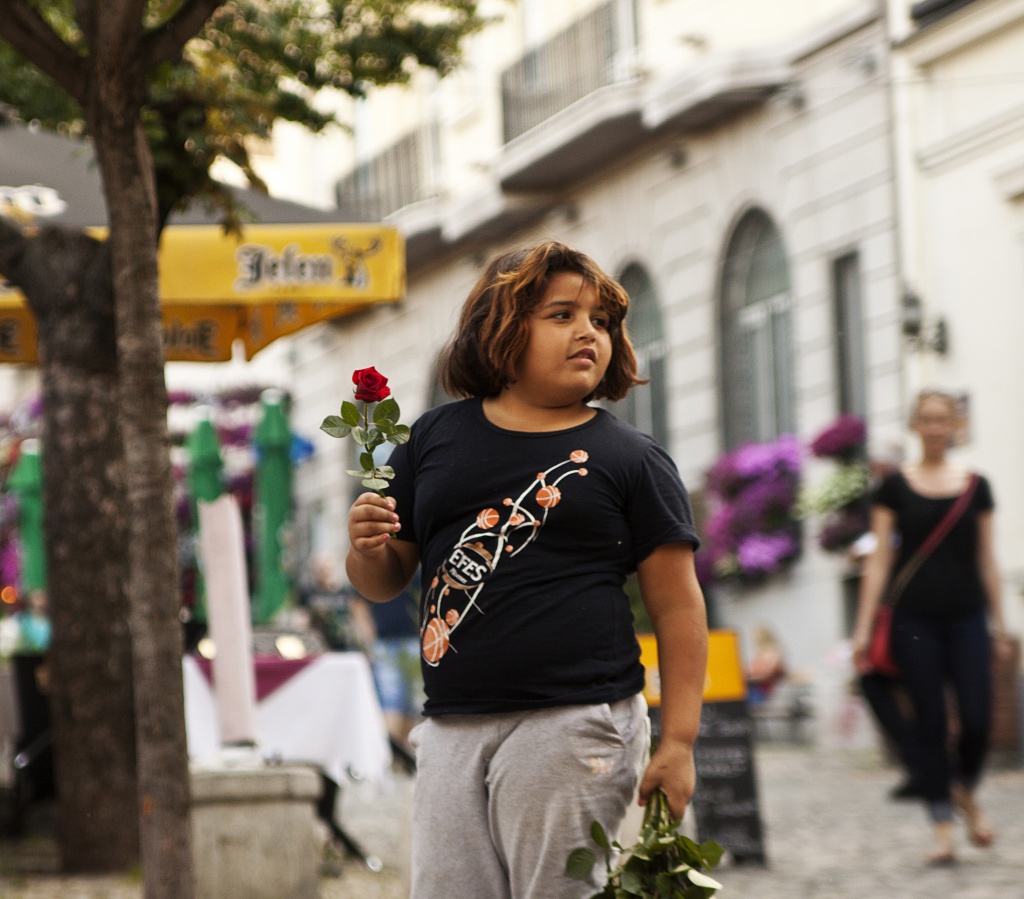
x=752 y=531
x=841 y=439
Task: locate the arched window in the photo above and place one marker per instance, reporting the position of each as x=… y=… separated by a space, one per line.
x=756 y=346
x=646 y=407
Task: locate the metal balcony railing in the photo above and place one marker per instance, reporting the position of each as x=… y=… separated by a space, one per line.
x=565 y=69
x=398 y=176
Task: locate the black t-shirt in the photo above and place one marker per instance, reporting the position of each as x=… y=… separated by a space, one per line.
x=526 y=540
x=948 y=584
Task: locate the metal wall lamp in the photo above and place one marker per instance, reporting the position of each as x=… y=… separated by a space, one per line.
x=921 y=334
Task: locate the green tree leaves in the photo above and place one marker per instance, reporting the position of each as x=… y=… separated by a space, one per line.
x=253 y=64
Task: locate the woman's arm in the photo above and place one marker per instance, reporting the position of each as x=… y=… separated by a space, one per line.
x=877 y=568
x=378 y=566
x=675 y=604
x=990 y=576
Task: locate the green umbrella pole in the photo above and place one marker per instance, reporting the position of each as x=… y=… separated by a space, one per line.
x=205 y=483
x=272 y=505
x=27 y=481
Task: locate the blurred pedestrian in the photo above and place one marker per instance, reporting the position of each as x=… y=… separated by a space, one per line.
x=395 y=659
x=767 y=664
x=336 y=612
x=943 y=584
x=529 y=508
x=34 y=625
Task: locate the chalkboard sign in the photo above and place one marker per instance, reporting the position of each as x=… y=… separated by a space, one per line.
x=725 y=802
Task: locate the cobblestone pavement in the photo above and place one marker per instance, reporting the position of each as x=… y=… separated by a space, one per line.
x=831 y=834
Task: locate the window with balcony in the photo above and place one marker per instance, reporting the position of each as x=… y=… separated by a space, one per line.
x=399 y=176
x=756 y=335
x=574 y=63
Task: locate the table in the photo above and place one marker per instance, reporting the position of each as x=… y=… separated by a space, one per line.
x=326 y=713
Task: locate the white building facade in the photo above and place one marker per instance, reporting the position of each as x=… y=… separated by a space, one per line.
x=960 y=76
x=731 y=163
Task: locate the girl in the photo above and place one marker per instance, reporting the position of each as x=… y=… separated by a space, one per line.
x=939 y=634
x=528 y=508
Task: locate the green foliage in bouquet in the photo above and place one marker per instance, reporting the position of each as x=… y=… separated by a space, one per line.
x=662 y=864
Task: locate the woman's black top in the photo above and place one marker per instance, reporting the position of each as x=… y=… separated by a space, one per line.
x=948 y=584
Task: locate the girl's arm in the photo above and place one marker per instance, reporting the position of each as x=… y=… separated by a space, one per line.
x=990 y=578
x=876 y=574
x=675 y=604
x=377 y=566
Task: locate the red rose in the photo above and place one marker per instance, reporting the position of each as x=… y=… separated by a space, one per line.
x=371 y=385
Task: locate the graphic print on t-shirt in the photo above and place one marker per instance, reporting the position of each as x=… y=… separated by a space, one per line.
x=494 y=535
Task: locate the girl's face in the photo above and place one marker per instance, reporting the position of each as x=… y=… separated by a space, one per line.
x=935 y=423
x=569 y=348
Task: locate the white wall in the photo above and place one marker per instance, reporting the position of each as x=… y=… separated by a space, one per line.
x=967 y=152
x=821 y=170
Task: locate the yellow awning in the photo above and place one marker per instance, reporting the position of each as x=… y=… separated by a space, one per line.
x=270 y=281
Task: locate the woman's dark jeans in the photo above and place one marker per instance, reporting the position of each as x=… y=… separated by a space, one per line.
x=932 y=654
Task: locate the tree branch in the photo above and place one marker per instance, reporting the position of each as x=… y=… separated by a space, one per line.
x=25 y=30
x=164 y=44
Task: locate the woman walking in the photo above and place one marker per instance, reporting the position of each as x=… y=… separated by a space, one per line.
x=935 y=564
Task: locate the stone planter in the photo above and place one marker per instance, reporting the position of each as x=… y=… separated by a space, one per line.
x=254 y=833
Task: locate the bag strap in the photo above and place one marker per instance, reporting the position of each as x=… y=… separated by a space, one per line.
x=911 y=566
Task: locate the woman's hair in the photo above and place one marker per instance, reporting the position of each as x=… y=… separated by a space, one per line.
x=494 y=327
x=951 y=400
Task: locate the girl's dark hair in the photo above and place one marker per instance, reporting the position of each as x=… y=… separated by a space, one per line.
x=494 y=326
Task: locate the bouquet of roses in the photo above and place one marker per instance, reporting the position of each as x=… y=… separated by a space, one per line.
x=370 y=429
x=662 y=864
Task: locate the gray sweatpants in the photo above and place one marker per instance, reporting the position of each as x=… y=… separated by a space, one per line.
x=501 y=800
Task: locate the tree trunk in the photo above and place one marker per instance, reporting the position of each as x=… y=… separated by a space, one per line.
x=66 y=279
x=165 y=824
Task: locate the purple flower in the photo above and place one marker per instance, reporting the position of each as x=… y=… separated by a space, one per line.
x=764 y=553
x=10 y=562
x=757 y=459
x=840 y=438
x=753 y=491
x=842 y=528
x=723 y=477
x=704 y=565
x=180 y=397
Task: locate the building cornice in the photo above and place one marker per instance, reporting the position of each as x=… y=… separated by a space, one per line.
x=960 y=29
x=532 y=171
x=971 y=140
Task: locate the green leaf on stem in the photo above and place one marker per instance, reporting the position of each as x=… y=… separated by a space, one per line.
x=580 y=863
x=359 y=435
x=366 y=460
x=631 y=882
x=374 y=437
x=375 y=483
x=385 y=471
x=350 y=414
x=356 y=473
x=335 y=427
x=386 y=411
x=711 y=853
x=400 y=435
x=598 y=835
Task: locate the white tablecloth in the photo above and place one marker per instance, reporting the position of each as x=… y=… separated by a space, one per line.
x=328 y=714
